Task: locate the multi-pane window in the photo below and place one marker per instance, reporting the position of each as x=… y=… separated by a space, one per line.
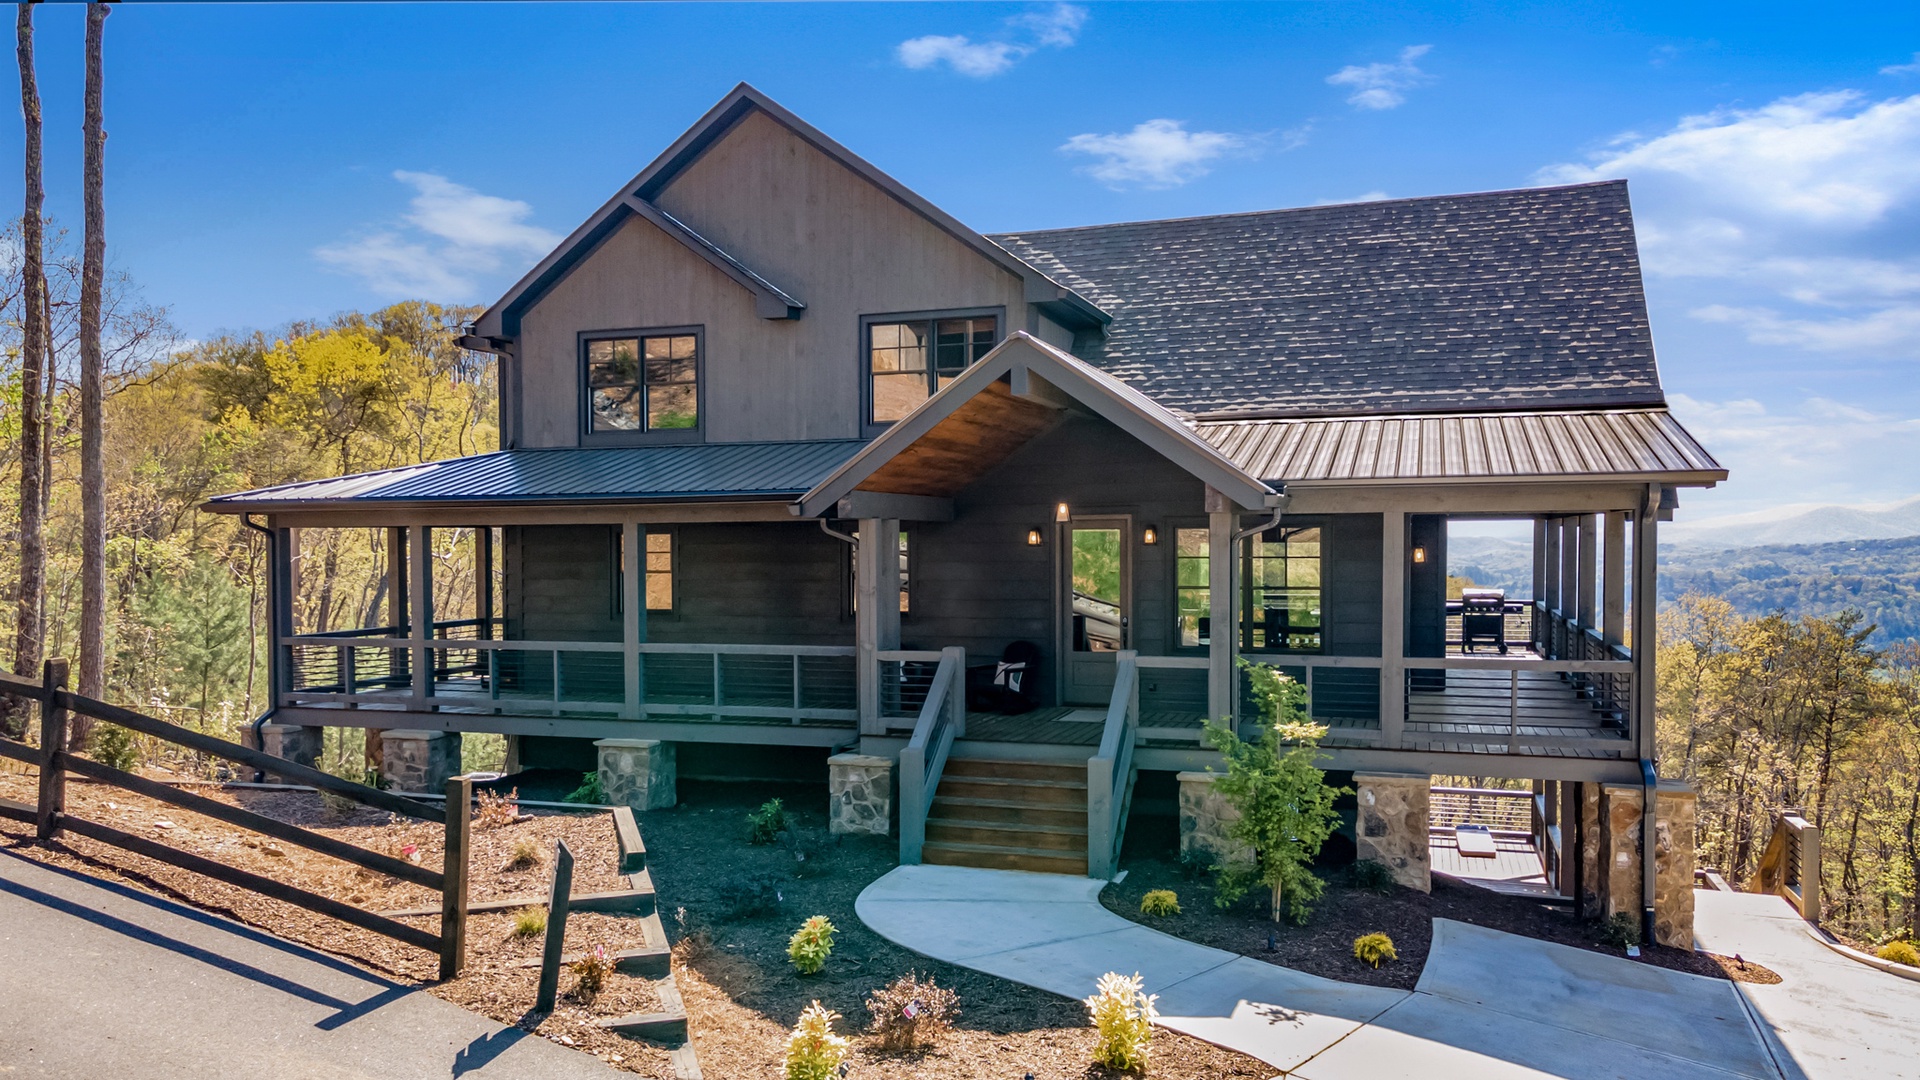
x=643 y=383
x=1192 y=599
x=853 y=575
x=658 y=568
x=908 y=361
x=1280 y=589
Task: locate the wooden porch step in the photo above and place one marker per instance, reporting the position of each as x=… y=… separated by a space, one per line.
x=1017 y=770
x=948 y=807
x=947 y=853
x=1026 y=792
x=1010 y=836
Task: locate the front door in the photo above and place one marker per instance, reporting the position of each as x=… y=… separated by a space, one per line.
x=1098 y=607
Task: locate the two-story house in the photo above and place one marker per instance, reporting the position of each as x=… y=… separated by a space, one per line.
x=786 y=449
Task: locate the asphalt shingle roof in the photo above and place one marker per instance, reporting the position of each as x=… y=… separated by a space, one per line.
x=1503 y=300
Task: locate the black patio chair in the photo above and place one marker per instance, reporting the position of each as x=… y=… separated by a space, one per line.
x=1009 y=687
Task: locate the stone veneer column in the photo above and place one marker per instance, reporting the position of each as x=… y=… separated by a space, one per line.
x=1392 y=825
x=1592 y=854
x=420 y=762
x=860 y=794
x=1205 y=818
x=640 y=773
x=1673 y=852
x=295 y=742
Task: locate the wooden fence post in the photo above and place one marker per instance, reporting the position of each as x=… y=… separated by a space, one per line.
x=557 y=904
x=453 y=895
x=53 y=742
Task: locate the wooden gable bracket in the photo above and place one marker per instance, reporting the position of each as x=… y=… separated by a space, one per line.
x=769 y=300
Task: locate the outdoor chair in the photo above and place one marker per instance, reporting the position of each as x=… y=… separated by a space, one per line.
x=1009 y=687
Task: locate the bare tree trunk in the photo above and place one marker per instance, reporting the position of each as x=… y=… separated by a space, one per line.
x=30 y=596
x=93 y=476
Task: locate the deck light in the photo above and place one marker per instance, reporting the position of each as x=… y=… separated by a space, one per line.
x=1060 y=513
x=1419 y=555
x=1033 y=537
x=1150 y=537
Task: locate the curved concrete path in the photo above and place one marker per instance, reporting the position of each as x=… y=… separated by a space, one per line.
x=1488 y=1005
x=1828 y=1016
x=101 y=980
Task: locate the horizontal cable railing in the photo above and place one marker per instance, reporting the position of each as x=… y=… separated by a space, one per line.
x=942 y=719
x=1790 y=864
x=906 y=677
x=1500 y=811
x=1520 y=703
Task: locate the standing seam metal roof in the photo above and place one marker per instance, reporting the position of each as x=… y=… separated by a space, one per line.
x=578 y=474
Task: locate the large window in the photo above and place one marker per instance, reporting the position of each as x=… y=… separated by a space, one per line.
x=643 y=383
x=1279 y=589
x=657 y=565
x=911 y=359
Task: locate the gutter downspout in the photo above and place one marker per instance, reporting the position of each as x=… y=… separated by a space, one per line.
x=1649 y=833
x=273 y=690
x=851 y=541
x=1279 y=509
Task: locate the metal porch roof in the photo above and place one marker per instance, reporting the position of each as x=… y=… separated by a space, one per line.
x=1593 y=443
x=705 y=471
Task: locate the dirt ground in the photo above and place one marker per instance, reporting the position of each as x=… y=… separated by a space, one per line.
x=1324 y=946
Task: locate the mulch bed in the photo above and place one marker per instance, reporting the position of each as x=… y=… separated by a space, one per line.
x=1324 y=946
x=731 y=907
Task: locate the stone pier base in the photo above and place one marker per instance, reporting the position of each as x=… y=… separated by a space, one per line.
x=859 y=794
x=419 y=761
x=639 y=773
x=295 y=742
x=1205 y=818
x=1392 y=825
x=1619 y=809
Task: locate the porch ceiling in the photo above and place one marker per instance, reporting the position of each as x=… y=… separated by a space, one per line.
x=964 y=446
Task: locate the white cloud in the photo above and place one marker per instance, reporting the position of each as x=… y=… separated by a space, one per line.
x=1903 y=69
x=449 y=233
x=1055 y=27
x=1383 y=85
x=1817 y=448
x=1823 y=158
x=1366 y=196
x=1890 y=329
x=1155 y=154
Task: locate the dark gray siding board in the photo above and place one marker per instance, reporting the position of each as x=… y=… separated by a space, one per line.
x=560 y=584
x=1350 y=597
x=757 y=584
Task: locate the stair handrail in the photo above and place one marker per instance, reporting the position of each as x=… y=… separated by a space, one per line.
x=1110 y=771
x=1790 y=864
x=943 y=718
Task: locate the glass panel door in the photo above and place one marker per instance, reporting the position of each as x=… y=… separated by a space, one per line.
x=1097 y=621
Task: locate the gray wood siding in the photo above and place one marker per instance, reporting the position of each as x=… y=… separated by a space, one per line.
x=757 y=584
x=1350 y=584
x=806 y=223
x=559 y=583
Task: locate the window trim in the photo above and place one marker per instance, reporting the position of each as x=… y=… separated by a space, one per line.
x=672 y=533
x=1244 y=554
x=695 y=434
x=850 y=576
x=1171 y=537
x=864 y=352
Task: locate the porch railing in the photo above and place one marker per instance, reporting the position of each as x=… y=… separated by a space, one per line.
x=943 y=718
x=1517 y=622
x=1110 y=771
x=1506 y=813
x=906 y=678
x=1520 y=703
x=1169 y=663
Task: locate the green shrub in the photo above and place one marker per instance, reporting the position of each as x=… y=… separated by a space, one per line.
x=1374 y=949
x=1124 y=1017
x=767 y=823
x=1900 y=952
x=1160 y=902
x=589 y=791
x=113 y=746
x=1285 y=804
x=1372 y=876
x=810 y=945
x=530 y=921
x=814 y=1052
x=1620 y=931
x=909 y=1014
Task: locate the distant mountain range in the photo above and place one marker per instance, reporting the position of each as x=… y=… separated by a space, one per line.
x=1879 y=576
x=1799 y=524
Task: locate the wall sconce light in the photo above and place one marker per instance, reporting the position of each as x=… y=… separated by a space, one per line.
x=1060 y=513
x=1419 y=555
x=1150 y=537
x=1033 y=537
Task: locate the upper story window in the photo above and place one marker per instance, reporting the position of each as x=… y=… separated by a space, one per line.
x=643 y=383
x=909 y=359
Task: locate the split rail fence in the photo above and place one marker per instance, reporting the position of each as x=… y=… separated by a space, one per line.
x=50 y=815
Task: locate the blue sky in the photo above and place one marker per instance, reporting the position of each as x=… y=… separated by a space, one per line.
x=271 y=162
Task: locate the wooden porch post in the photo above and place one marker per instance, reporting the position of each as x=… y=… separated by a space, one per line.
x=877 y=611
x=283 y=586
x=1646 y=571
x=1569 y=567
x=420 y=613
x=1550 y=534
x=483 y=588
x=1613 y=578
x=1584 y=607
x=1223 y=619
x=1393 y=626
x=633 y=617
x=1540 y=600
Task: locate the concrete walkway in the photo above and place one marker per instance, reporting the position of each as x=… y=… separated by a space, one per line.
x=101 y=980
x=1488 y=1005
x=1828 y=1016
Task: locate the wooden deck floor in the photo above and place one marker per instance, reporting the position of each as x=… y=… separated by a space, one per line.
x=1515 y=868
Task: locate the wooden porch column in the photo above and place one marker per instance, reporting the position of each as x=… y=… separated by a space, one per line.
x=1393 y=626
x=1646 y=571
x=283 y=588
x=1584 y=607
x=876 y=611
x=1569 y=567
x=483 y=588
x=1613 y=581
x=420 y=613
x=1223 y=602
x=633 y=617
x=1549 y=555
x=397 y=595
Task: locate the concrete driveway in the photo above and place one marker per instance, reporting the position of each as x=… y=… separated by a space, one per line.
x=100 y=980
